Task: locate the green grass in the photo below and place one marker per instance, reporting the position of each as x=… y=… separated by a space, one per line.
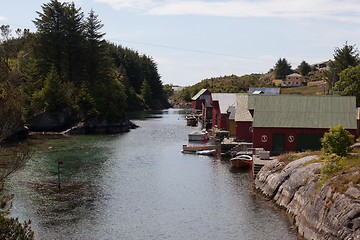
x=306 y=90
x=292 y=156
x=347 y=168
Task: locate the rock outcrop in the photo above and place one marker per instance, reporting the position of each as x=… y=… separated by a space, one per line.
x=50 y=122
x=94 y=127
x=329 y=212
x=65 y=122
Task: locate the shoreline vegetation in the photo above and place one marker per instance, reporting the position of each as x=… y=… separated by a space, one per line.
x=66 y=73
x=66 y=76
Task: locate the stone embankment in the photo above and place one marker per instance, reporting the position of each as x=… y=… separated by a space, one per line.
x=329 y=212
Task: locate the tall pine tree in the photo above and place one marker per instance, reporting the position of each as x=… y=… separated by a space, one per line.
x=282 y=68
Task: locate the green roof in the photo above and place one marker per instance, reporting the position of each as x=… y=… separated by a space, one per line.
x=194 y=98
x=303 y=111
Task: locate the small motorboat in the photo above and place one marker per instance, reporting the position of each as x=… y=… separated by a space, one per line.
x=206 y=152
x=191 y=120
x=241 y=161
x=234 y=153
x=196 y=148
x=202 y=135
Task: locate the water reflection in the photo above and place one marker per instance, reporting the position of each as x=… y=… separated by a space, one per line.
x=138 y=185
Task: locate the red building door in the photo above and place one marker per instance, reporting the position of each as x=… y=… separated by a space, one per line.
x=279 y=141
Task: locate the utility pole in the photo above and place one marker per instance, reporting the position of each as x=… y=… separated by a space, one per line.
x=59 y=163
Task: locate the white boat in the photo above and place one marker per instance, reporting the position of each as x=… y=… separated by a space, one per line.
x=206 y=152
x=199 y=136
x=241 y=161
x=193 y=149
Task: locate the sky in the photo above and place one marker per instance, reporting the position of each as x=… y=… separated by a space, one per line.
x=194 y=40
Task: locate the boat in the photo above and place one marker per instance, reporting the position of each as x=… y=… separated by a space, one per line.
x=202 y=135
x=235 y=153
x=241 y=161
x=191 y=120
x=193 y=149
x=206 y=152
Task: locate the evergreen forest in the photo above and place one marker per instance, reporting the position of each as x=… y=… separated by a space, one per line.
x=67 y=63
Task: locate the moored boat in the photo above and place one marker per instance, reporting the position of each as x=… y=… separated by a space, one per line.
x=193 y=149
x=241 y=161
x=202 y=135
x=191 y=120
x=206 y=152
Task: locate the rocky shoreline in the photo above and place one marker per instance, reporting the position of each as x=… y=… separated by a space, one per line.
x=64 y=123
x=318 y=213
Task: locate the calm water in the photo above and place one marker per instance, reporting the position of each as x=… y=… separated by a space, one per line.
x=138 y=185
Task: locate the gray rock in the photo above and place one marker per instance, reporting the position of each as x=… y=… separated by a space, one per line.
x=323 y=213
x=51 y=122
x=103 y=127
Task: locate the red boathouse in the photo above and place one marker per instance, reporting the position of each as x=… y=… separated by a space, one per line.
x=297 y=122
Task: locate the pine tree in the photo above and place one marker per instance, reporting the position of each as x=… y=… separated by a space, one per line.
x=97 y=64
x=304 y=68
x=344 y=57
x=53 y=94
x=60 y=39
x=282 y=68
x=146 y=92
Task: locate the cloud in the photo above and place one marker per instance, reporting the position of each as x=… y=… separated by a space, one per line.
x=340 y=10
x=2 y=18
x=142 y=5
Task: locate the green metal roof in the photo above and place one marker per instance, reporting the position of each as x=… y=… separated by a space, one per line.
x=303 y=111
x=194 y=98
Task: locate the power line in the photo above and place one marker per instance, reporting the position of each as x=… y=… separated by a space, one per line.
x=192 y=50
x=187 y=49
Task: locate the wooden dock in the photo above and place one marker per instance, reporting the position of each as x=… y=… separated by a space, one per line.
x=259 y=163
x=229 y=144
x=261 y=158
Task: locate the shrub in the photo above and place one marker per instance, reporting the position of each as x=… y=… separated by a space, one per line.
x=337 y=141
x=12 y=228
x=332 y=163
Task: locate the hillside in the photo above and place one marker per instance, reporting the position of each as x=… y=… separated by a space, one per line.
x=313 y=88
x=235 y=84
x=225 y=84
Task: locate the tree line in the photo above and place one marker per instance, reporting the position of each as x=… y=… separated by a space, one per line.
x=225 y=84
x=67 y=63
x=342 y=75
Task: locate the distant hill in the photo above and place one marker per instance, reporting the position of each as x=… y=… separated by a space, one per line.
x=225 y=84
x=234 y=84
